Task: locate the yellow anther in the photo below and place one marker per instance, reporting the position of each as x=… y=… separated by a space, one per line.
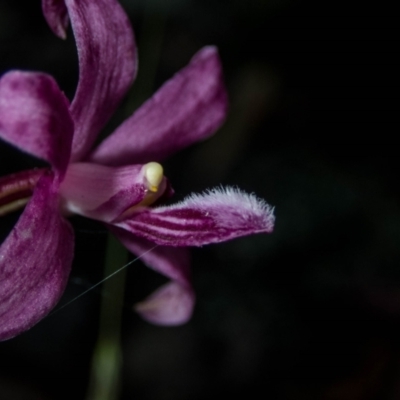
x=154 y=174
x=10 y=207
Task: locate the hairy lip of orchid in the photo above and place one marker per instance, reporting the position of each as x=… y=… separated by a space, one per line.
x=117 y=181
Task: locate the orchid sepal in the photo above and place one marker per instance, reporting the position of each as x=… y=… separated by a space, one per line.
x=188 y=108
x=107 y=62
x=34 y=265
x=35 y=117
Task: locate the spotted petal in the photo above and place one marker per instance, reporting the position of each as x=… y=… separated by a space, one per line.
x=35 y=261
x=173 y=303
x=34 y=116
x=188 y=108
x=107 y=62
x=219 y=215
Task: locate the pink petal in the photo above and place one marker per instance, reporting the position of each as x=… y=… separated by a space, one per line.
x=173 y=303
x=34 y=116
x=103 y=193
x=35 y=261
x=107 y=62
x=219 y=215
x=56 y=15
x=188 y=108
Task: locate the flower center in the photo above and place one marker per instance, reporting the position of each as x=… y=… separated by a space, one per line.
x=156 y=185
x=16 y=189
x=105 y=193
x=154 y=174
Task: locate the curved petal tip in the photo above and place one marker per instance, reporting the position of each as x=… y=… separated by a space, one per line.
x=170 y=305
x=56 y=15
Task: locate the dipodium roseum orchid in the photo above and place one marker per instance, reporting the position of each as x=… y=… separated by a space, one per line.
x=118 y=181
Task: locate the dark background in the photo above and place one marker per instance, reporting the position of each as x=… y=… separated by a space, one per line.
x=309 y=312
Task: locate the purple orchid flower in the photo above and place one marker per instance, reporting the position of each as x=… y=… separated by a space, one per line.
x=117 y=181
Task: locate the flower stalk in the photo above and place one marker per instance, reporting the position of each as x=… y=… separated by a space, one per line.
x=106 y=367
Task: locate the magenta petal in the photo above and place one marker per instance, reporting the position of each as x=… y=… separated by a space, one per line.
x=219 y=215
x=35 y=261
x=101 y=192
x=107 y=62
x=34 y=116
x=173 y=303
x=56 y=15
x=188 y=108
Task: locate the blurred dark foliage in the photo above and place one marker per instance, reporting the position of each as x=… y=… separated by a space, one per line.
x=309 y=312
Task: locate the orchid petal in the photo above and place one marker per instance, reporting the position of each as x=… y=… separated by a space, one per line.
x=173 y=303
x=56 y=15
x=34 y=116
x=107 y=62
x=188 y=108
x=104 y=193
x=217 y=216
x=35 y=261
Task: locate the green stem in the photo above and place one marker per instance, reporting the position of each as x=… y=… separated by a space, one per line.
x=105 y=376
